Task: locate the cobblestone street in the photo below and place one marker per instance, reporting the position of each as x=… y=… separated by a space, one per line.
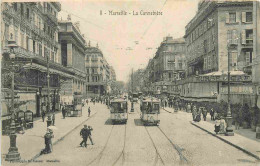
x=174 y=142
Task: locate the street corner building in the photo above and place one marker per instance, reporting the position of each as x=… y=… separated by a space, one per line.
x=52 y=60
x=99 y=74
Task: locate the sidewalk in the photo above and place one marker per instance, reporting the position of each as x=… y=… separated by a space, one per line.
x=244 y=139
x=31 y=142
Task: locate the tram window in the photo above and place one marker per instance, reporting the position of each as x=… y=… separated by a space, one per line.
x=156 y=106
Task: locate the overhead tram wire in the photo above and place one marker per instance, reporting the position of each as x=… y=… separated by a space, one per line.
x=150 y=24
x=83 y=19
x=153 y=20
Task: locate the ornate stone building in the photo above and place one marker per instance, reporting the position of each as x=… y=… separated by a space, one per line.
x=219 y=29
x=72 y=51
x=98 y=79
x=34 y=27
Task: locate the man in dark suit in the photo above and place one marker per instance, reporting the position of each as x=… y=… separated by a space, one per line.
x=85 y=134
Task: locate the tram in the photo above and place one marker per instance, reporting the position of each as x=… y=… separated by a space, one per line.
x=118 y=111
x=73 y=106
x=150 y=111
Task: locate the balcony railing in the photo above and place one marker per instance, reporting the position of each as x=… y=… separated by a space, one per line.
x=51 y=16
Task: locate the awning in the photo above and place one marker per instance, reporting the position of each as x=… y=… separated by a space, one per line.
x=218 y=73
x=44 y=69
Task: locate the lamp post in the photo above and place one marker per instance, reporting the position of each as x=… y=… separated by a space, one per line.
x=229 y=129
x=13 y=154
x=48 y=93
x=132 y=102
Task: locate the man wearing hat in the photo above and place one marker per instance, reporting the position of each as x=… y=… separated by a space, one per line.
x=85 y=134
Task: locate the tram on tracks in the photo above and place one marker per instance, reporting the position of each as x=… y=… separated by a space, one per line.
x=73 y=105
x=118 y=111
x=150 y=111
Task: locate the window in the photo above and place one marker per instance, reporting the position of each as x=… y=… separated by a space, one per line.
x=249 y=17
x=232 y=36
x=22 y=12
x=28 y=14
x=40 y=49
x=27 y=43
x=248 y=58
x=231 y=17
x=15 y=6
x=22 y=40
x=233 y=60
x=34 y=46
x=6 y=34
x=205 y=63
x=180 y=66
x=209 y=62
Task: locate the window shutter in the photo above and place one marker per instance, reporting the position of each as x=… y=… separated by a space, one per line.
x=234 y=36
x=243 y=37
x=229 y=40
x=227 y=17
x=243 y=16
x=247 y=58
x=237 y=16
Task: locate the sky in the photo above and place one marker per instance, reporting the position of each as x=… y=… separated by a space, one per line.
x=125 y=39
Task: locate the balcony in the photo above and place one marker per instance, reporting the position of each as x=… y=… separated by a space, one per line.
x=50 y=16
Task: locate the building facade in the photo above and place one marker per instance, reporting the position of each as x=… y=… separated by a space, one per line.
x=34 y=28
x=219 y=30
x=167 y=66
x=72 y=51
x=98 y=78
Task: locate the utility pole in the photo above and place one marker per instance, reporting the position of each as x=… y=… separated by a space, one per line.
x=48 y=93
x=132 y=84
x=229 y=130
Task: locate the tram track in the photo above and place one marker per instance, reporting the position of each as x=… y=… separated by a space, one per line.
x=101 y=153
x=99 y=156
x=156 y=150
x=122 y=152
x=183 y=159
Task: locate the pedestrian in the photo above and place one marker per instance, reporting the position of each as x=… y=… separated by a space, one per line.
x=48 y=142
x=43 y=115
x=63 y=112
x=211 y=114
x=89 y=111
x=222 y=129
x=194 y=113
x=236 y=118
x=87 y=101
x=215 y=114
x=198 y=115
x=53 y=119
x=204 y=113
x=217 y=125
x=84 y=133
x=90 y=138
x=94 y=101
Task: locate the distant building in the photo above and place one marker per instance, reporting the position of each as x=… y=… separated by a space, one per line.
x=98 y=72
x=168 y=65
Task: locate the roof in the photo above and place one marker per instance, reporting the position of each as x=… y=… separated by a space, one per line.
x=118 y=100
x=151 y=100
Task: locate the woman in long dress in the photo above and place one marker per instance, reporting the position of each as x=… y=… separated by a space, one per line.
x=222 y=125
x=217 y=125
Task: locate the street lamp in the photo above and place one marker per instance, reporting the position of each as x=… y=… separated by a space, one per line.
x=132 y=102
x=229 y=129
x=13 y=154
x=48 y=93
